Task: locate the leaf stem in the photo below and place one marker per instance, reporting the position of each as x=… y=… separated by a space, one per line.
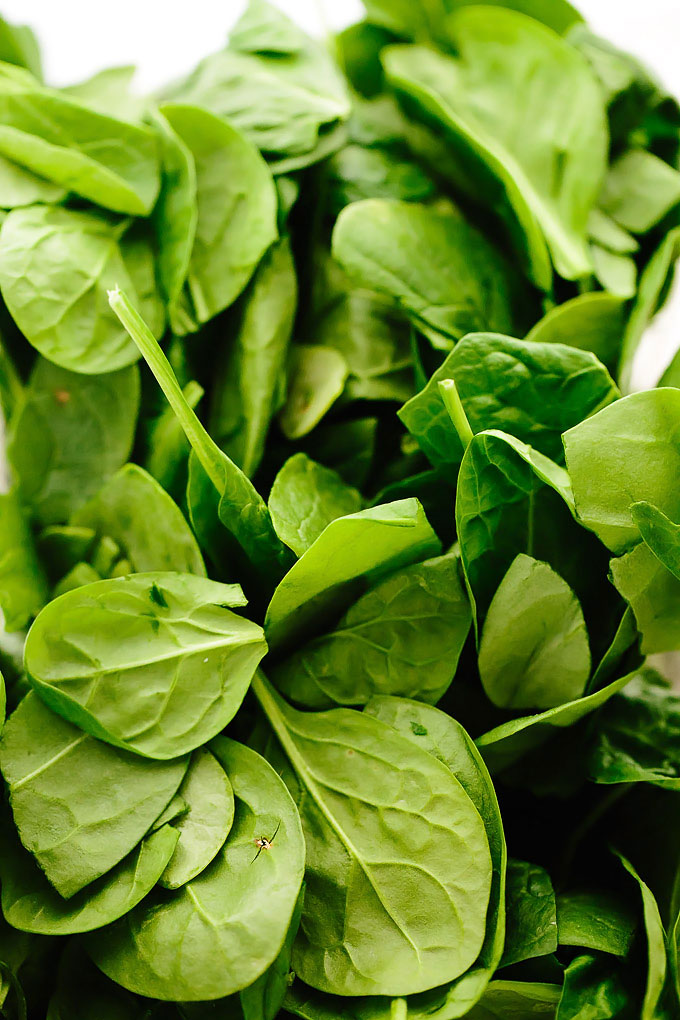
x=453 y=404
x=399 y=1009
x=206 y=449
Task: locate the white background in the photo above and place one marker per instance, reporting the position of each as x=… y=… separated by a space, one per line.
x=165 y=39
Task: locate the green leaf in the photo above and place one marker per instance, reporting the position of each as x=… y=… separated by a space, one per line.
x=305 y=498
x=204 y=827
x=510 y=74
x=218 y=933
x=316 y=378
x=653 y=593
x=596 y=919
x=147 y=525
x=110 y=92
x=402 y=637
x=152 y=662
x=168 y=447
x=625 y=453
x=56 y=266
x=70 y=433
x=617 y=273
x=534 y=650
x=110 y=162
x=534 y=391
x=21 y=187
x=659 y=533
x=531 y=913
x=437 y=268
x=236 y=199
x=79 y=805
x=18 y=45
x=325 y=580
x=656 y=948
x=639 y=190
x=591 y=322
x=23 y=588
x=416 y=20
x=516 y=1000
x=251 y=367
x=264 y=998
x=592 y=988
x=83 y=993
x=31 y=904
x=416 y=916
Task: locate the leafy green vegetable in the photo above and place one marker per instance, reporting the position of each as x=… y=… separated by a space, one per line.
x=595 y=920
x=179 y=673
x=661 y=535
x=531 y=913
x=316 y=378
x=23 y=587
x=653 y=594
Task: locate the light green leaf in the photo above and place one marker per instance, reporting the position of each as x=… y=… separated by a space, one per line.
x=152 y=662
x=657 y=960
x=531 y=913
x=596 y=919
x=264 y=998
x=23 y=588
x=316 y=378
x=21 y=187
x=659 y=533
x=639 y=190
x=653 y=593
x=220 y=932
x=110 y=92
x=617 y=273
x=591 y=322
x=79 y=805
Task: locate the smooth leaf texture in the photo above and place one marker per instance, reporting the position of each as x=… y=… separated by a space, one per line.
x=592 y=987
x=531 y=913
x=79 y=805
x=534 y=649
x=56 y=266
x=653 y=593
x=594 y=920
x=152 y=662
x=661 y=535
x=263 y=999
x=70 y=434
x=402 y=637
x=316 y=378
x=148 y=527
x=590 y=322
x=324 y=580
x=21 y=187
x=543 y=188
x=656 y=948
x=204 y=826
x=371 y=851
x=217 y=934
x=531 y=390
x=31 y=904
x=305 y=498
x=23 y=586
x=629 y=451
x=236 y=198
x=440 y=270
x=639 y=190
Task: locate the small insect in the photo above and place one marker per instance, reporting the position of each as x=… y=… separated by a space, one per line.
x=264 y=844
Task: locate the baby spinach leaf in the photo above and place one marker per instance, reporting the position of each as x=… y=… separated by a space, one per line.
x=617 y=273
x=79 y=805
x=656 y=948
x=77 y=576
x=446 y=739
x=653 y=593
x=56 y=266
x=590 y=322
x=110 y=92
x=169 y=448
x=594 y=919
x=639 y=190
x=543 y=190
x=440 y=270
x=514 y=1000
x=111 y=162
x=592 y=987
x=21 y=187
x=324 y=580
x=263 y=999
x=69 y=435
x=404 y=637
x=155 y=663
x=286 y=101
x=205 y=825
x=534 y=649
x=31 y=904
x=18 y=45
x=240 y=507
x=251 y=367
x=418 y=20
x=625 y=453
x=305 y=498
x=661 y=535
x=236 y=220
x=531 y=390
x=374 y=857
x=23 y=587
x=219 y=932
x=316 y=378
x=133 y=509
x=531 y=913
x=506 y=743
x=638 y=735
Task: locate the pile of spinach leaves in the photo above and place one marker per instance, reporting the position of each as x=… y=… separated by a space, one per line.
x=336 y=541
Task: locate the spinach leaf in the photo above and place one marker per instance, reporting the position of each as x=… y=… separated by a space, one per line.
x=510 y=1000
x=592 y=988
x=79 y=805
x=218 y=933
x=441 y=271
x=168 y=454
x=23 y=587
x=596 y=920
x=316 y=378
x=56 y=266
x=263 y=999
x=661 y=535
x=403 y=637
x=148 y=527
x=111 y=162
x=236 y=218
x=110 y=92
x=21 y=187
x=532 y=390
x=657 y=971
x=590 y=322
x=531 y=913
x=374 y=857
x=70 y=433
x=639 y=190
x=534 y=649
x=653 y=594
x=178 y=660
x=204 y=826
x=324 y=580
x=305 y=498
x=251 y=368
